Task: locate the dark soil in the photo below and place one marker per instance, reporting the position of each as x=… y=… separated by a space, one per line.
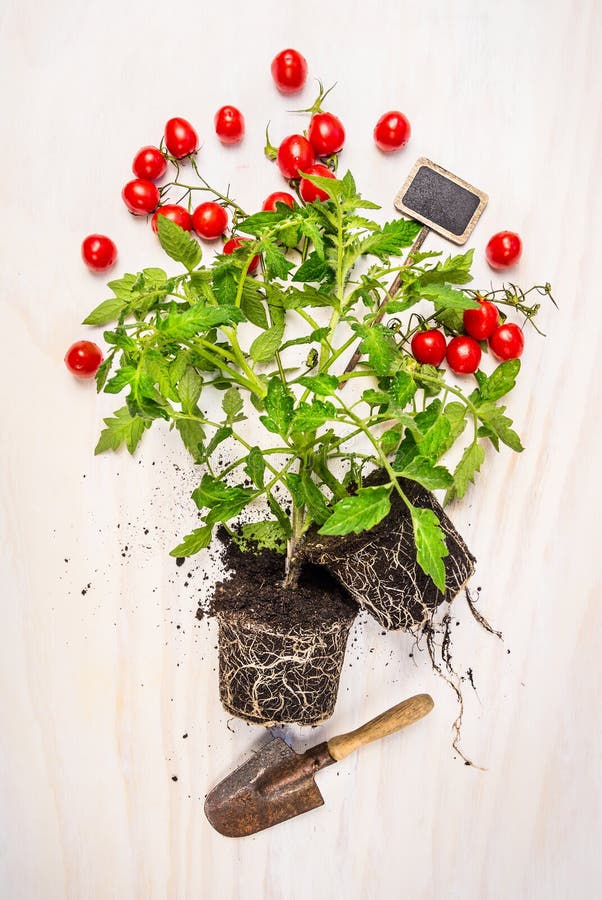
x=280 y=650
x=254 y=586
x=379 y=567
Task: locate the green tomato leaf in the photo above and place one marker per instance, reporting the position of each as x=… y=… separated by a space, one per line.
x=121 y=428
x=279 y=404
x=178 y=243
x=196 y=540
x=295 y=485
x=264 y=535
x=315 y=502
x=390 y=239
x=498 y=384
x=495 y=421
x=255 y=466
x=360 y=512
x=192 y=434
x=464 y=473
x=107 y=311
x=189 y=389
x=314 y=269
x=232 y=403
x=266 y=344
x=322 y=384
x=432 y=477
x=379 y=345
x=431 y=548
x=402 y=388
x=309 y=416
x=445 y=297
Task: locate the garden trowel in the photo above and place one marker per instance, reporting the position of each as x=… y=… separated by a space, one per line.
x=277 y=784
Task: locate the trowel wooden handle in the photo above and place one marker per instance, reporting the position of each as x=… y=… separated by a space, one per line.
x=387 y=723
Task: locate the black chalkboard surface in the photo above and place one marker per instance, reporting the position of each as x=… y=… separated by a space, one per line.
x=441 y=201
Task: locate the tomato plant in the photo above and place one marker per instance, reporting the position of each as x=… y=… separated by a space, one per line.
x=235 y=244
x=180 y=138
x=149 y=163
x=140 y=196
x=289 y=71
x=229 y=125
x=428 y=347
x=99 y=252
x=392 y=131
x=507 y=341
x=311 y=192
x=269 y=204
x=503 y=250
x=481 y=323
x=210 y=220
x=83 y=359
x=463 y=355
x=326 y=134
x=174 y=213
x=295 y=154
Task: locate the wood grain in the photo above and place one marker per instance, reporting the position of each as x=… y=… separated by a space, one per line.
x=98 y=684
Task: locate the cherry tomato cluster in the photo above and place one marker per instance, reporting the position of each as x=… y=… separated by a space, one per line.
x=311 y=153
x=463 y=353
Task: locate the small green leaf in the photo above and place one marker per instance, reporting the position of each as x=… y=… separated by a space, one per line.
x=402 y=388
x=105 y=312
x=314 y=269
x=295 y=486
x=378 y=343
x=309 y=416
x=390 y=239
x=322 y=384
x=431 y=548
x=253 y=307
x=277 y=264
x=189 y=389
x=266 y=344
x=255 y=467
x=265 y=535
x=432 y=477
x=390 y=439
x=178 y=243
x=360 y=512
x=315 y=502
x=495 y=421
x=232 y=403
x=464 y=473
x=124 y=376
x=499 y=383
x=193 y=542
x=192 y=434
x=121 y=428
x=279 y=405
x=181 y=323
x=445 y=297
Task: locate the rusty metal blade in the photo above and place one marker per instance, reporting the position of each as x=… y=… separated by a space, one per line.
x=271 y=787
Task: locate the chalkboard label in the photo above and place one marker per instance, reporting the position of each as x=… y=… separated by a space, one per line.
x=441 y=201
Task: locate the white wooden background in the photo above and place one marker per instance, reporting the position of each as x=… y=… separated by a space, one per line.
x=103 y=668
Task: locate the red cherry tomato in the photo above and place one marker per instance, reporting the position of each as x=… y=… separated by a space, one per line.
x=481 y=323
x=99 y=252
x=295 y=153
x=235 y=244
x=149 y=163
x=269 y=204
x=309 y=192
x=428 y=347
x=83 y=359
x=174 y=213
x=392 y=131
x=210 y=220
x=180 y=138
x=507 y=341
x=289 y=71
x=229 y=125
x=140 y=196
x=326 y=134
x=463 y=355
x=503 y=250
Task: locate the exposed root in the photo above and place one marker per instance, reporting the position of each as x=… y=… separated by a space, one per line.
x=273 y=678
x=451 y=678
x=480 y=617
